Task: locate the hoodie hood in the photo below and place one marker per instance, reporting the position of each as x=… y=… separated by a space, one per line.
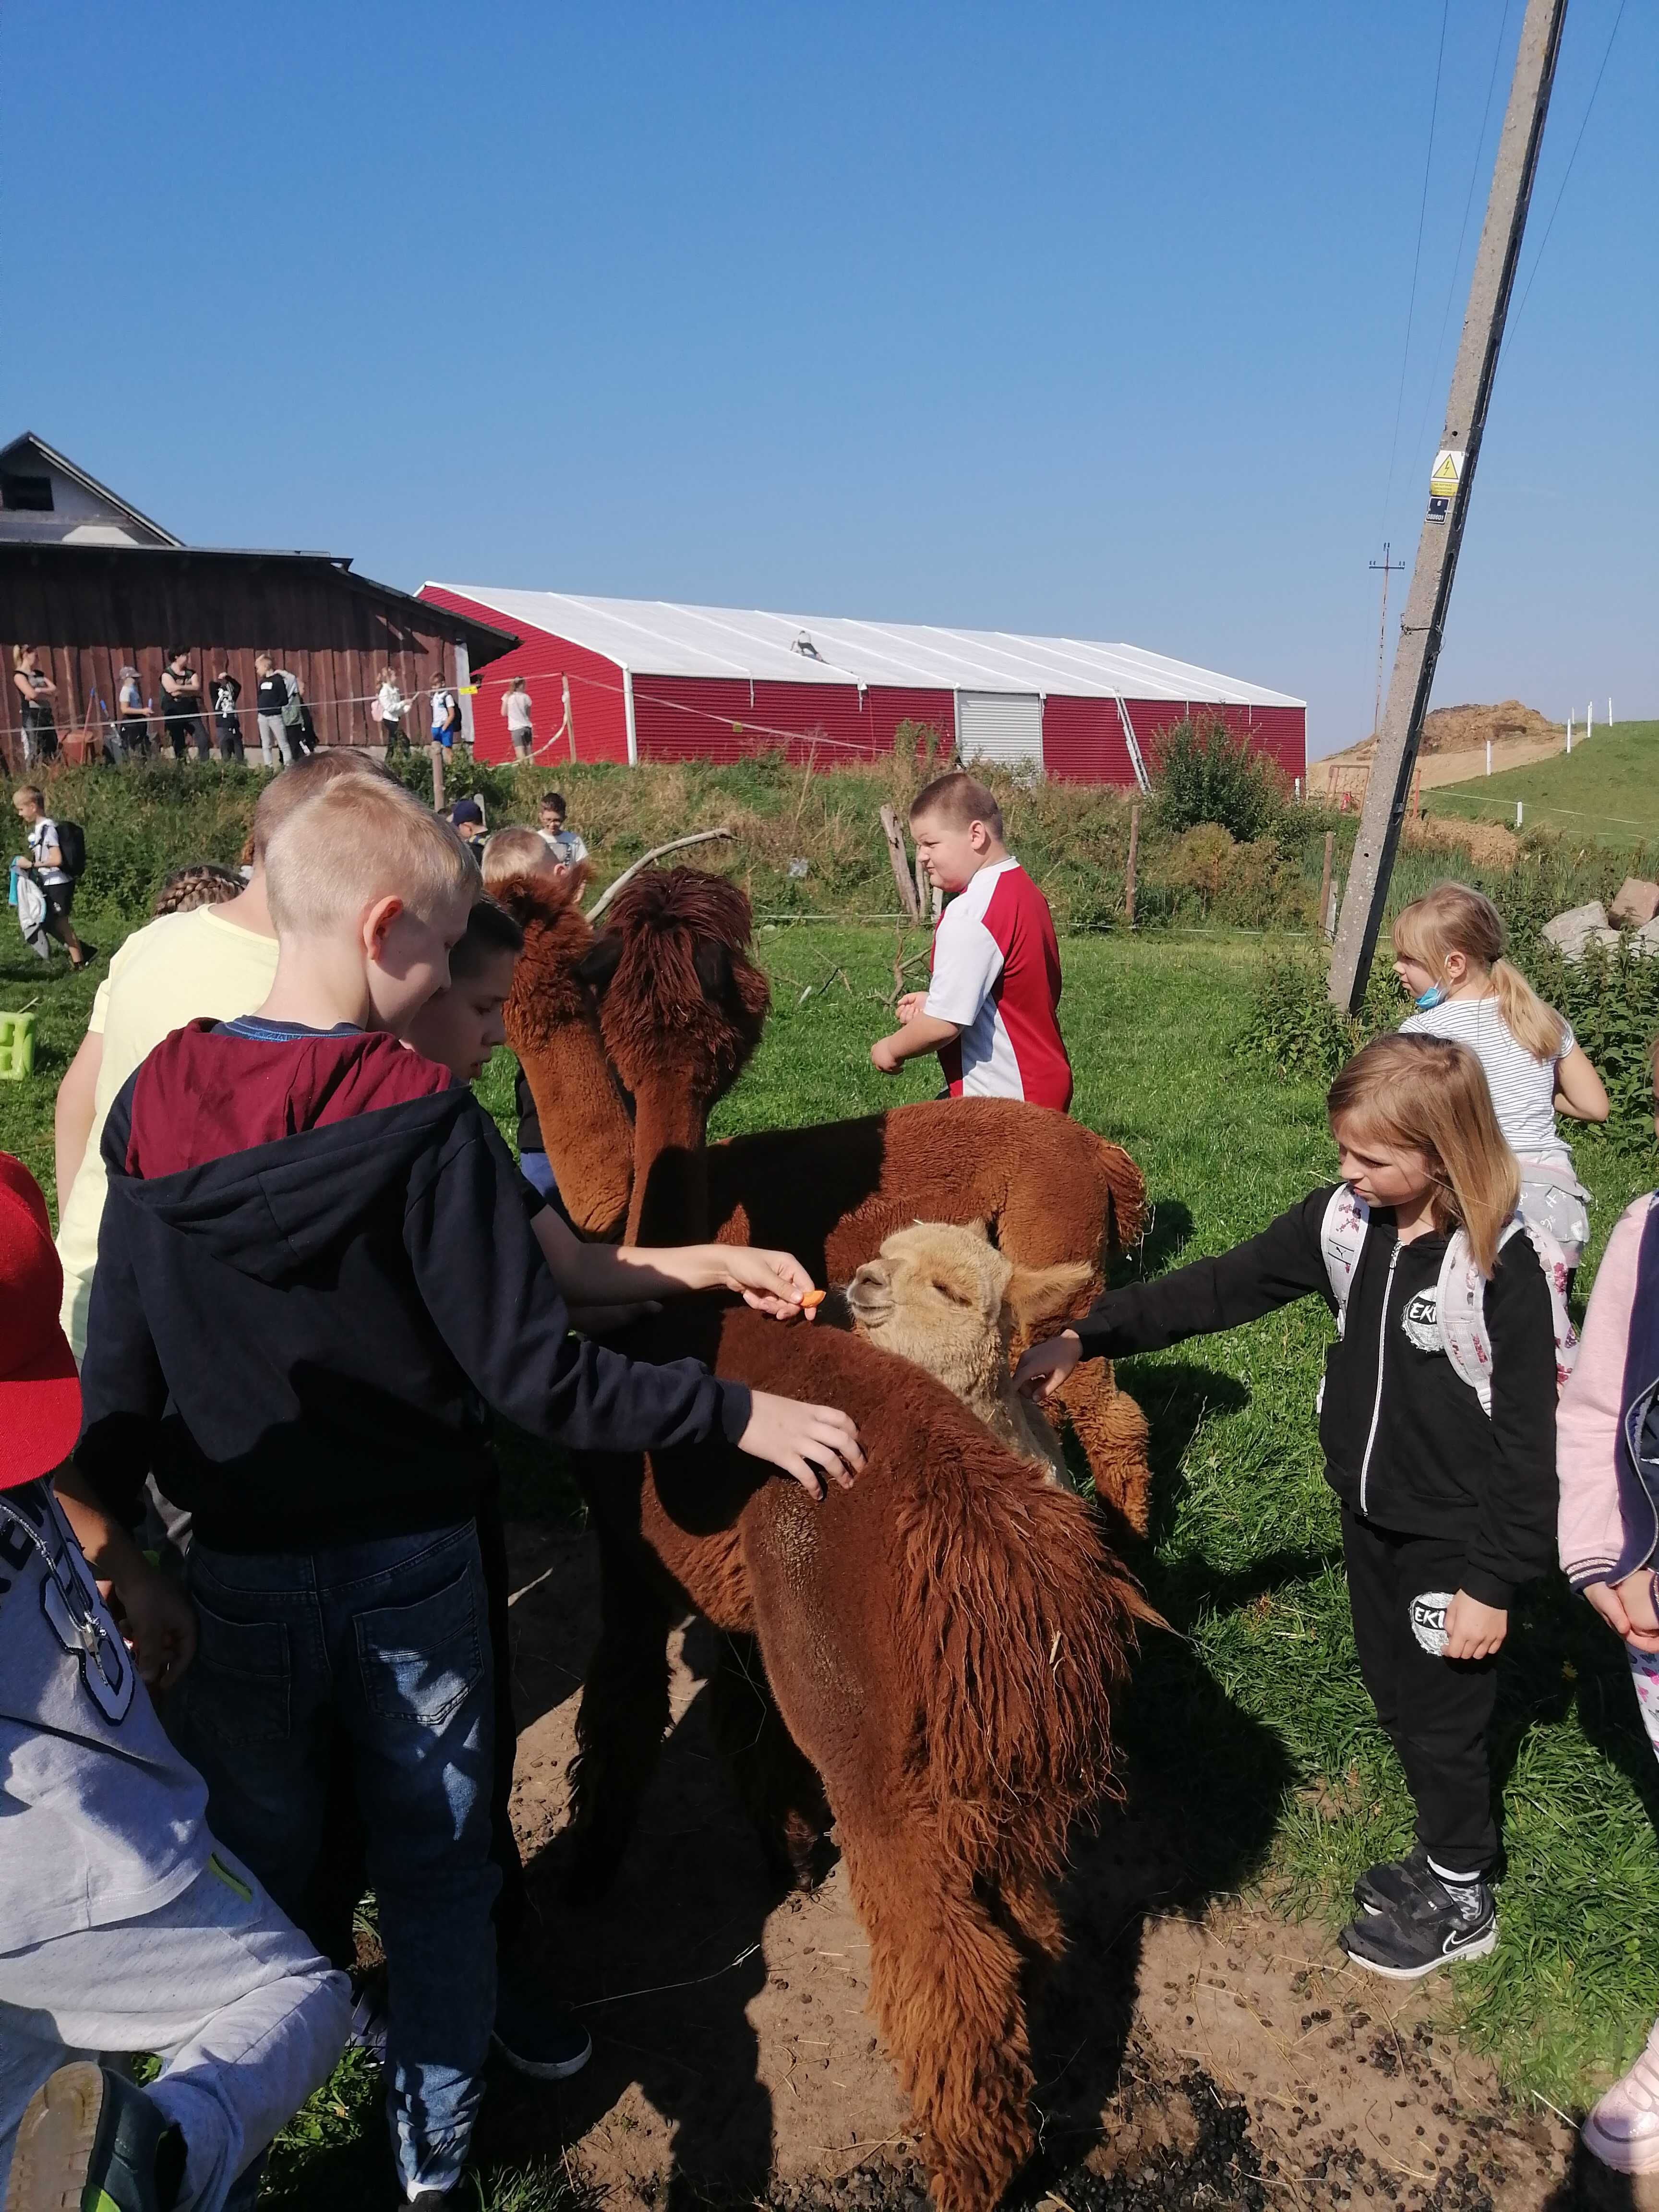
x=268 y=1151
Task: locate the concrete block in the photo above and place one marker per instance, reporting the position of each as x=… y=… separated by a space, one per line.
x=1636 y=904
x=1568 y=931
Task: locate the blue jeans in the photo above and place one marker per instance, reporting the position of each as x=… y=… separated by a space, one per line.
x=389 y=1643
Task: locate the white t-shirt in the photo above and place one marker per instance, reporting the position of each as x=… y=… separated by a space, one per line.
x=517 y=707
x=391 y=701
x=1522 y=1088
x=42 y=835
x=996 y=976
x=565 y=846
x=184 y=967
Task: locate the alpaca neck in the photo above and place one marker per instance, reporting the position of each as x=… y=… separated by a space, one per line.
x=585 y=1125
x=669 y=1203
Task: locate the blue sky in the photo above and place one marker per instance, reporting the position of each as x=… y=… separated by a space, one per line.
x=1080 y=319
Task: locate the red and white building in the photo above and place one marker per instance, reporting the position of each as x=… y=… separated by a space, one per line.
x=650 y=680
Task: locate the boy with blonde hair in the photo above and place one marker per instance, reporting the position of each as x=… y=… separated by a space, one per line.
x=315 y=1272
x=992 y=1009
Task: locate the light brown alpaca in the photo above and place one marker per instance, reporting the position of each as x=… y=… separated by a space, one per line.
x=1050 y=1191
x=942 y=1641
x=943 y=1298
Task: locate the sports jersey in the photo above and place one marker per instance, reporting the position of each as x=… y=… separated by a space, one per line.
x=996 y=976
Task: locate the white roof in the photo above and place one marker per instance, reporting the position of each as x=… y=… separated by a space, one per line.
x=659 y=637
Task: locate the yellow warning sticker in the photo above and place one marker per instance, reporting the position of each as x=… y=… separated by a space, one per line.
x=1447 y=473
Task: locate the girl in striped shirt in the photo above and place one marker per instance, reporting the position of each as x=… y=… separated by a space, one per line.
x=1449 y=953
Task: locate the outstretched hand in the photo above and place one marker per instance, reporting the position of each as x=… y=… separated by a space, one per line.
x=802 y=1440
x=774 y=1283
x=1040 y=1371
x=1630 y=1608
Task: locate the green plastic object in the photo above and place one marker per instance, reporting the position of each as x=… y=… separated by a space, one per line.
x=16 y=1047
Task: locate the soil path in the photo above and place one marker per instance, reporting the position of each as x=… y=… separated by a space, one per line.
x=1230 y=2060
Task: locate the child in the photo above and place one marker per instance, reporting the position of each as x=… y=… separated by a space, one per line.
x=991 y=1009
x=565 y=846
x=1449 y=948
x=125 y=1927
x=315 y=1271
x=1608 y=1456
x=45 y=864
x=1448 y=1496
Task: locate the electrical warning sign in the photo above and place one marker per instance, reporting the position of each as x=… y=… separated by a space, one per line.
x=1443 y=481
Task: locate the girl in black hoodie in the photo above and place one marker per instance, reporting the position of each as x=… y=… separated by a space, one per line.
x=1448 y=1488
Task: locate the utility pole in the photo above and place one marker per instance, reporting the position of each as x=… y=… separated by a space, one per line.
x=1450 y=487
x=1389 y=569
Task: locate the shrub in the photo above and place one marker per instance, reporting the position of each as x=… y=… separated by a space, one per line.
x=1206 y=774
x=1296 y=1031
x=1255 y=886
x=1199 y=860
x=1612 y=999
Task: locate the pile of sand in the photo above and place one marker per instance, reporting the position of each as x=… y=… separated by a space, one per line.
x=1471 y=729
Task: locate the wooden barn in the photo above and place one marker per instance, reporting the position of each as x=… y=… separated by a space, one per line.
x=92 y=585
x=648 y=679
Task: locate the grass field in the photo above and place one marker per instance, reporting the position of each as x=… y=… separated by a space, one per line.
x=1606 y=790
x=1251 y=1719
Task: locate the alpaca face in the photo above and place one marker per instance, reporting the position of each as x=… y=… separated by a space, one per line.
x=937 y=1294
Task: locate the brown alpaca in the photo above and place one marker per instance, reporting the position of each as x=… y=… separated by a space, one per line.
x=943 y=1297
x=942 y=1641
x=1050 y=1191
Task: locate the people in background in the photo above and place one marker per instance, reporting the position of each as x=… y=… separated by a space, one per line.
x=301 y=730
x=46 y=865
x=131 y=716
x=565 y=846
x=181 y=706
x=388 y=708
x=35 y=693
x=226 y=722
x=515 y=706
x=468 y=817
x=445 y=718
x=271 y=701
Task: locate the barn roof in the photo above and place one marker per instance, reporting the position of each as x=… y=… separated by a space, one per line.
x=660 y=637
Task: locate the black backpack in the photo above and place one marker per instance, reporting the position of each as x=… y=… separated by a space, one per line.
x=72 y=850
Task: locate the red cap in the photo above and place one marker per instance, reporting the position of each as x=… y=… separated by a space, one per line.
x=39 y=1388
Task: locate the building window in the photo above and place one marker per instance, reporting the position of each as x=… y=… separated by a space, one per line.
x=26 y=494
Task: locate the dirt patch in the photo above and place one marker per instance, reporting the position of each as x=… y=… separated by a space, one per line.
x=1230 y=2060
x=1488 y=844
x=1472 y=729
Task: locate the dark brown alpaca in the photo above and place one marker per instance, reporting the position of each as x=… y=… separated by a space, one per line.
x=1050 y=1191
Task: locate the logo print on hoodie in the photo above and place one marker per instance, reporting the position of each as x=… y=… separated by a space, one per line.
x=1421 y=1319
x=1429 y=1612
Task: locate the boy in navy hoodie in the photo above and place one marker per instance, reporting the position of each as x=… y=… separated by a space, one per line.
x=315 y=1270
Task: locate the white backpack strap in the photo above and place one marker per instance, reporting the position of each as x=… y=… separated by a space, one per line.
x=1463 y=1308
x=1341 y=1240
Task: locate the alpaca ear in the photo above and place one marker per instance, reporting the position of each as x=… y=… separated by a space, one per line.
x=1039 y=1294
x=597 y=967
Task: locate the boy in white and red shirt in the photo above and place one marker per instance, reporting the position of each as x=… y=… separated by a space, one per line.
x=991 y=1009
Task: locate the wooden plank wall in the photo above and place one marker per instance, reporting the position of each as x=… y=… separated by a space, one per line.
x=88 y=617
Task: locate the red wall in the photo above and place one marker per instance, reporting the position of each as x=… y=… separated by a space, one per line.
x=597 y=713
x=1083 y=740
x=727 y=718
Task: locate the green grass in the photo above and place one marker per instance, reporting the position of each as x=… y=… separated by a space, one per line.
x=1606 y=790
x=1252 y=1725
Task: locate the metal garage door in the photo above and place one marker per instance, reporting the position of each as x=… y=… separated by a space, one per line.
x=1005 y=727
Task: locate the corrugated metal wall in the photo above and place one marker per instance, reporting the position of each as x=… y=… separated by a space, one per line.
x=88 y=615
x=728 y=718
x=888 y=705
x=598 y=713
x=1083 y=740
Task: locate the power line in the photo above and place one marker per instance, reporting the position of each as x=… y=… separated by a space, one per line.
x=1571 y=158
x=1417 y=259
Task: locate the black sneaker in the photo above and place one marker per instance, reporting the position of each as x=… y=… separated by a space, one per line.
x=89 y=2136
x=1383 y=1886
x=1434 y=1924
x=537 y=2038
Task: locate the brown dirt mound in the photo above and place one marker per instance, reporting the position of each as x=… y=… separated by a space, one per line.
x=1471 y=729
x=1488 y=844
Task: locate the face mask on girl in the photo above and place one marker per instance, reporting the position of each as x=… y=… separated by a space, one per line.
x=1430 y=998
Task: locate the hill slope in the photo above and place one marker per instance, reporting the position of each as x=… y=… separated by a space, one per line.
x=1607 y=789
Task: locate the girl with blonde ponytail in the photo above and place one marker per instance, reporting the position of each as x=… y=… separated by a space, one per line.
x=1449 y=953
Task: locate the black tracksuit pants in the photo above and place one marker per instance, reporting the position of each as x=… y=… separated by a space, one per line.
x=1437 y=1712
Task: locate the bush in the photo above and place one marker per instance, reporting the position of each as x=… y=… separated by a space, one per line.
x=1612 y=999
x=1255 y=886
x=1203 y=773
x=1296 y=1031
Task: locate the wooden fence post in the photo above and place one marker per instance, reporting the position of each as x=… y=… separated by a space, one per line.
x=437 y=779
x=1325 y=883
x=901 y=862
x=1129 y=872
